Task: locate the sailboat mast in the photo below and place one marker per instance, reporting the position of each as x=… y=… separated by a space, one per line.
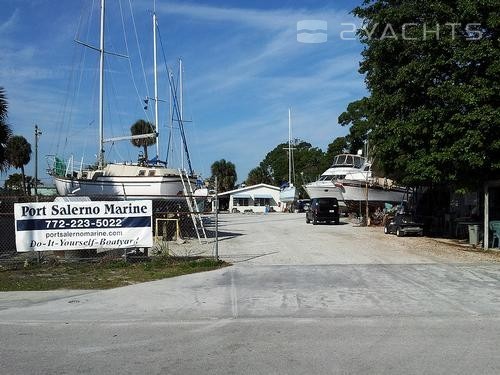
x=289 y=146
x=156 y=85
x=101 y=90
x=170 y=118
x=181 y=111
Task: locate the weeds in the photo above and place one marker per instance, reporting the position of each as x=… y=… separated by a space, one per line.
x=107 y=273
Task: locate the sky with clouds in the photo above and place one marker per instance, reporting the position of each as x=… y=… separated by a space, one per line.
x=243 y=68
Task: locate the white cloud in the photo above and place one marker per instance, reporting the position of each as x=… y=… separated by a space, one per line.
x=263 y=19
x=10 y=24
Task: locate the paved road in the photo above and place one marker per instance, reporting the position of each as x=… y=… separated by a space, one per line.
x=422 y=311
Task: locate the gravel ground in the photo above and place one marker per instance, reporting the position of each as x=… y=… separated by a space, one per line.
x=285 y=239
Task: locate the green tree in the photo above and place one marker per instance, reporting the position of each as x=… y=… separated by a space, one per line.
x=338 y=146
x=5 y=131
x=309 y=163
x=357 y=117
x=30 y=183
x=434 y=98
x=143 y=127
x=18 y=151
x=14 y=183
x=259 y=175
x=226 y=175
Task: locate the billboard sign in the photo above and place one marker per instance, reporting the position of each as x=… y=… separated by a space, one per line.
x=83 y=225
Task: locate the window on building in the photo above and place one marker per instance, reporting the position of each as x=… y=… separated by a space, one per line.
x=262 y=201
x=241 y=201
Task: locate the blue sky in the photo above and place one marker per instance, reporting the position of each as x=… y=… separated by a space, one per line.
x=243 y=68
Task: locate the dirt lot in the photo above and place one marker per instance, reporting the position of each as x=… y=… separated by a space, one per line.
x=286 y=239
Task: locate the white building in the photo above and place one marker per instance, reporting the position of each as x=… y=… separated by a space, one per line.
x=254 y=198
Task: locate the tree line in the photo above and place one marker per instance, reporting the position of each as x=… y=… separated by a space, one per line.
x=15 y=151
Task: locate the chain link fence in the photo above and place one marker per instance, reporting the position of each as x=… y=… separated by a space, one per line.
x=182 y=226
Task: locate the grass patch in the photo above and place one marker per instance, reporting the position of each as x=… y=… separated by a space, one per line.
x=102 y=275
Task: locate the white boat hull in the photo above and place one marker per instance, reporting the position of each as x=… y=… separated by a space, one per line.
x=124 y=187
x=320 y=189
x=355 y=191
x=289 y=194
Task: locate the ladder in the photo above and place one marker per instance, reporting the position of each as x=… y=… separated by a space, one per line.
x=193 y=206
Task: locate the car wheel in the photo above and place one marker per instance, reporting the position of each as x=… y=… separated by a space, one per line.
x=399 y=233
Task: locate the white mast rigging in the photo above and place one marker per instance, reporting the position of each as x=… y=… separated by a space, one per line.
x=101 y=90
x=156 y=84
x=181 y=111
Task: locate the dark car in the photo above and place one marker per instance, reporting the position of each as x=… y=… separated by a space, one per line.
x=323 y=209
x=402 y=224
x=301 y=205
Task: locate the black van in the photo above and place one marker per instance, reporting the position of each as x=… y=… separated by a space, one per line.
x=323 y=209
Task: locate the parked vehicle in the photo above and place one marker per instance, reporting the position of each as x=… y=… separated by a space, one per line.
x=323 y=209
x=402 y=224
x=302 y=205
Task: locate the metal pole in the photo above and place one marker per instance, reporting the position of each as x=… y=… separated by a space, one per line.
x=216 y=221
x=289 y=145
x=156 y=86
x=101 y=89
x=486 y=222
x=181 y=111
x=367 y=211
x=37 y=135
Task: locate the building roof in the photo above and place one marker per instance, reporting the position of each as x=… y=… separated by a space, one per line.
x=247 y=188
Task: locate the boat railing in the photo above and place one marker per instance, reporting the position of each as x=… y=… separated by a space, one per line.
x=69 y=168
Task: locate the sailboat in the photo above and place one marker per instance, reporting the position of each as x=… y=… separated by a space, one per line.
x=144 y=179
x=289 y=193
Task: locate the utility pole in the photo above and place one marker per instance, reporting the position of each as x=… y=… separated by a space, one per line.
x=367 y=209
x=37 y=135
x=216 y=221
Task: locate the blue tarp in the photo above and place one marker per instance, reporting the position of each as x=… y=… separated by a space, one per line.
x=155 y=160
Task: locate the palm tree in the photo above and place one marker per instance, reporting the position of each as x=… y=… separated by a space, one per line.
x=18 y=152
x=14 y=183
x=143 y=127
x=226 y=175
x=30 y=183
x=5 y=131
x=259 y=175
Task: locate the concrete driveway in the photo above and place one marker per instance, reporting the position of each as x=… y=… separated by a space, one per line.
x=299 y=300
x=286 y=239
